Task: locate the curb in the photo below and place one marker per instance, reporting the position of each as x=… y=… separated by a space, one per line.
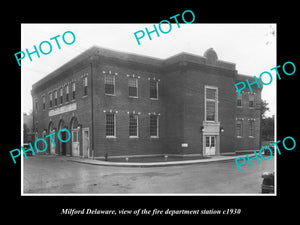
x=154 y=164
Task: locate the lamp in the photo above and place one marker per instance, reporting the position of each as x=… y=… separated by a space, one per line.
x=222 y=129
x=202 y=128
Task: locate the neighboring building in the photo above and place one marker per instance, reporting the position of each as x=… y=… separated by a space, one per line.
x=27 y=128
x=121 y=104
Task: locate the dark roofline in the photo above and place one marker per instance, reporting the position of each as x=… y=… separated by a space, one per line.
x=129 y=57
x=88 y=53
x=243 y=77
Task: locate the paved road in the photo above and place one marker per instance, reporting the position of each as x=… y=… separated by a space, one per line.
x=54 y=174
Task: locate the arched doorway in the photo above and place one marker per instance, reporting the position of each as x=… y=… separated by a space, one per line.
x=63 y=136
x=51 y=130
x=75 y=137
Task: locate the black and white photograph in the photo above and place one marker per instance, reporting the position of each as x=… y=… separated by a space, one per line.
x=108 y=112
x=126 y=112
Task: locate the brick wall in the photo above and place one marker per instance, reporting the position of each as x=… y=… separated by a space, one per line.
x=181 y=104
x=194 y=106
x=246 y=142
x=122 y=103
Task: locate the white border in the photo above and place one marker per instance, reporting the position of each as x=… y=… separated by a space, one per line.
x=148 y=194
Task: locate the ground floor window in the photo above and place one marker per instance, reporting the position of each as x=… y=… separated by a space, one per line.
x=239 y=128
x=153 y=125
x=251 y=128
x=110 y=124
x=133 y=125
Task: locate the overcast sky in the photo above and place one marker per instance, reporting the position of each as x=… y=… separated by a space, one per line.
x=252 y=47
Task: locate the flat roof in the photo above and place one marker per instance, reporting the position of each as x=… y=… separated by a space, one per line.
x=133 y=58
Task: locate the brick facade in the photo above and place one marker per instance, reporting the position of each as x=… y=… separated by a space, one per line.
x=182 y=80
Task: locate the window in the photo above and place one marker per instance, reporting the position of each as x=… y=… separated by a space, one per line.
x=109 y=81
x=67 y=93
x=153 y=89
x=153 y=125
x=55 y=98
x=211 y=104
x=207 y=141
x=85 y=86
x=75 y=136
x=73 y=90
x=36 y=105
x=251 y=100
x=50 y=100
x=133 y=125
x=239 y=128
x=239 y=101
x=251 y=128
x=44 y=102
x=110 y=124
x=133 y=87
x=61 y=95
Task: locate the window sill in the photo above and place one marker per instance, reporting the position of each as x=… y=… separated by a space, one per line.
x=133 y=96
x=110 y=94
x=84 y=96
x=239 y=137
x=133 y=137
x=154 y=137
x=154 y=99
x=211 y=121
x=111 y=137
x=251 y=137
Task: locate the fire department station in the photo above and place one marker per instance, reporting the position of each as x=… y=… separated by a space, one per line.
x=122 y=104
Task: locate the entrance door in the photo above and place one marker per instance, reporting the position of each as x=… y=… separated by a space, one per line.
x=86 y=143
x=210 y=145
x=75 y=143
x=63 y=144
x=52 y=147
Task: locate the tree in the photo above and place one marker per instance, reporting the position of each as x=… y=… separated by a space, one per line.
x=267 y=129
x=267 y=123
x=264 y=108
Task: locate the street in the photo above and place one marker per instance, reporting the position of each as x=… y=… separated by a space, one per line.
x=56 y=175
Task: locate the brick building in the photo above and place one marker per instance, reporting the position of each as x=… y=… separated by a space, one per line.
x=122 y=104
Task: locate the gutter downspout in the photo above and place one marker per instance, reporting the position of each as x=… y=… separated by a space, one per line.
x=92 y=106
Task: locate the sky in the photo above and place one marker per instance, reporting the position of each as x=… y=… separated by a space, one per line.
x=252 y=47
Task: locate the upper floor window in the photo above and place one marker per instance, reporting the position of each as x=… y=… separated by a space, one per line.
x=50 y=99
x=85 y=86
x=153 y=89
x=133 y=87
x=44 y=102
x=73 y=90
x=67 y=93
x=55 y=98
x=251 y=100
x=109 y=82
x=36 y=104
x=211 y=104
x=239 y=101
x=61 y=95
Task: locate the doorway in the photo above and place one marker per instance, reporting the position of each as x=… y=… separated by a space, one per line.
x=210 y=145
x=75 y=137
x=86 y=143
x=63 y=144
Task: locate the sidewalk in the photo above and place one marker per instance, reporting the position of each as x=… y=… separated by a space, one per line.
x=153 y=164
